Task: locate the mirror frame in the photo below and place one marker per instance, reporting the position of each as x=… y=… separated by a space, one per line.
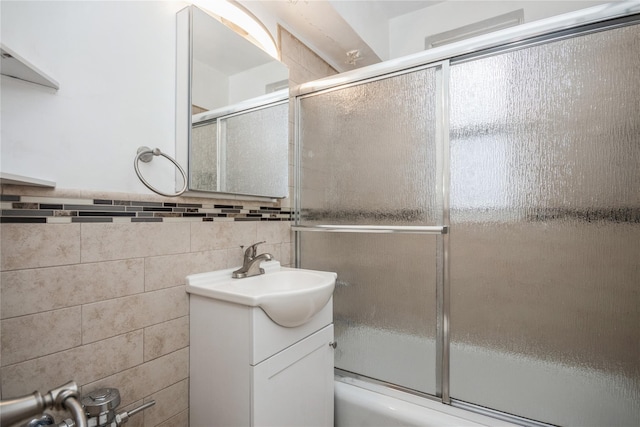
x=183 y=113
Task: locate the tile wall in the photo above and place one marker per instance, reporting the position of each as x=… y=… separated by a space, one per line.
x=100 y=299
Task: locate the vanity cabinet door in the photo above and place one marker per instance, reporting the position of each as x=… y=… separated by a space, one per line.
x=295 y=386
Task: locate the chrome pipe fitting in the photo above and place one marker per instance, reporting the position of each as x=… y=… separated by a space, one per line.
x=19 y=408
x=62 y=397
x=44 y=420
x=100 y=408
x=72 y=405
x=123 y=417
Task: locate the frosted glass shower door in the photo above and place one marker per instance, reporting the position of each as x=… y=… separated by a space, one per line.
x=368 y=156
x=545 y=230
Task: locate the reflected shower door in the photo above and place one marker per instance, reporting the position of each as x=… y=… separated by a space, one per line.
x=254 y=145
x=545 y=230
x=239 y=152
x=203 y=164
x=368 y=156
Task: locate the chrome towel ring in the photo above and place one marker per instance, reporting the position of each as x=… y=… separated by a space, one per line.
x=146 y=155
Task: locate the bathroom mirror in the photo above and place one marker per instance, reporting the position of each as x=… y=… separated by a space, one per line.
x=231 y=111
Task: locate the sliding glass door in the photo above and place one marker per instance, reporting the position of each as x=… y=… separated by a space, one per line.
x=545 y=230
x=369 y=165
x=483 y=216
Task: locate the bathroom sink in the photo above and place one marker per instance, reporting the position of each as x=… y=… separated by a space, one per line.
x=289 y=296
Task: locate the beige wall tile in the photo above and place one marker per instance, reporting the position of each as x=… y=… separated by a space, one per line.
x=274 y=250
x=278 y=237
x=304 y=64
x=103 y=242
x=82 y=364
x=171 y=270
x=273 y=232
x=286 y=252
x=114 y=295
x=235 y=257
x=166 y=337
x=36 y=290
x=169 y=402
x=206 y=236
x=180 y=420
x=29 y=337
x=269 y=232
x=287 y=233
x=150 y=377
x=136 y=420
x=112 y=317
x=38 y=245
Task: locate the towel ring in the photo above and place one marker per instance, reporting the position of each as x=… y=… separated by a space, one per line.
x=146 y=155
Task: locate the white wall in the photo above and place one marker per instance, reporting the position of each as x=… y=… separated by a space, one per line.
x=115 y=62
x=213 y=89
x=361 y=15
x=253 y=82
x=210 y=87
x=407 y=32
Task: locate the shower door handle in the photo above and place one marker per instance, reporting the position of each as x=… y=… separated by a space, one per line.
x=407 y=229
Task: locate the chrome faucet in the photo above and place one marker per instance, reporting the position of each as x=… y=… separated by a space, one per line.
x=251 y=265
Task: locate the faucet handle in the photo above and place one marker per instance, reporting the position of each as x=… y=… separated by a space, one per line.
x=252 y=250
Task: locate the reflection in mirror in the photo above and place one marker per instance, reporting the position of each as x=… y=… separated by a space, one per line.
x=231 y=113
x=227 y=68
x=238 y=151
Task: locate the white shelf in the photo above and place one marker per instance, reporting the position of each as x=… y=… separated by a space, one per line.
x=13 y=65
x=9 y=178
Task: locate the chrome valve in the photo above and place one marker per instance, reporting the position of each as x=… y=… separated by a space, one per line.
x=100 y=407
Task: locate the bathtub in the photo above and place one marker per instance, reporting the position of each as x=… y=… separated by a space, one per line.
x=359 y=404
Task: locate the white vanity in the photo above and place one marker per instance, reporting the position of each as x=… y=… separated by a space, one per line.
x=261 y=348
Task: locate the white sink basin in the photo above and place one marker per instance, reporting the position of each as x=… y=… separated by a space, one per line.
x=289 y=296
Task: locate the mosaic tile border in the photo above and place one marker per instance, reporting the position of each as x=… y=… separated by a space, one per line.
x=32 y=209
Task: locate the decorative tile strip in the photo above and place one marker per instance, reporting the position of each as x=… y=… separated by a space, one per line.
x=91 y=219
x=4 y=198
x=29 y=209
x=19 y=220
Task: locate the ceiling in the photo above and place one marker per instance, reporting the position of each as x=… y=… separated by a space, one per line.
x=333 y=28
x=327 y=26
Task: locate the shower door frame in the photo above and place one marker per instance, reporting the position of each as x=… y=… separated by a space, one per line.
x=594 y=19
x=442 y=231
